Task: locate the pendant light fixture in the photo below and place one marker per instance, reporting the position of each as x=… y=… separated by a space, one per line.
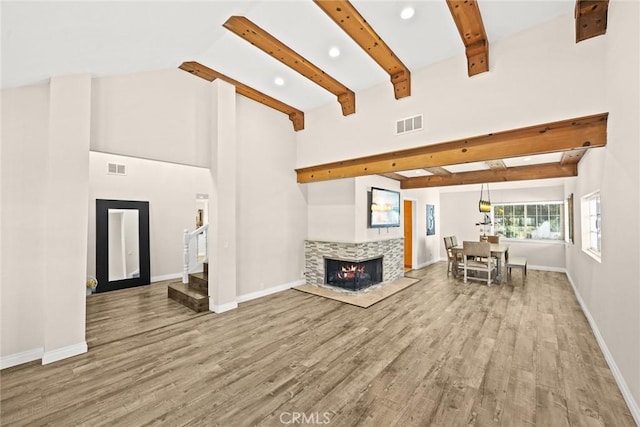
x=484 y=205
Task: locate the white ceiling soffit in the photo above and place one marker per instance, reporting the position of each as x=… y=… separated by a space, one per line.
x=507 y=185
x=414 y=173
x=466 y=167
x=533 y=160
x=49 y=38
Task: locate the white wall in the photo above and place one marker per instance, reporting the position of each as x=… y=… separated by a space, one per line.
x=609 y=289
x=45 y=143
x=223 y=246
x=66 y=234
x=25 y=131
x=332 y=210
x=426 y=248
x=161 y=115
x=272 y=207
x=171 y=192
x=536 y=76
x=338 y=210
x=460 y=214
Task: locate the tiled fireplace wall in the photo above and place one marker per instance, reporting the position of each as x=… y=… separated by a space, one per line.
x=391 y=250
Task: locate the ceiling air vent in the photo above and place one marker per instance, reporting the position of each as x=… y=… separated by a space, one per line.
x=410 y=124
x=116 y=169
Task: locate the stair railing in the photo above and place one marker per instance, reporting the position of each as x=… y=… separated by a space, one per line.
x=196 y=250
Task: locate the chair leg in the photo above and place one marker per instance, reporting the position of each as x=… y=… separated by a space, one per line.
x=465 y=274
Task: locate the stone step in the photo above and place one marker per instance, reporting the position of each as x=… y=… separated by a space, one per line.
x=188 y=297
x=199 y=282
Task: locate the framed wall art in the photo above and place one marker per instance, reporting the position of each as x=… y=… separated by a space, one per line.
x=431 y=220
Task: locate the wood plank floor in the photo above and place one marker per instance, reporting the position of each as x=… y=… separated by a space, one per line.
x=437 y=353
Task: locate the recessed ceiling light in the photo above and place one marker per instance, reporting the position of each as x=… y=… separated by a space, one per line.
x=279 y=81
x=407 y=13
x=334 y=52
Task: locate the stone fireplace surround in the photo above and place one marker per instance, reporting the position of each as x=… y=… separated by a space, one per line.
x=392 y=251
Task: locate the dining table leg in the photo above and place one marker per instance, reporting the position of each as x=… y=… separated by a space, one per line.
x=499 y=258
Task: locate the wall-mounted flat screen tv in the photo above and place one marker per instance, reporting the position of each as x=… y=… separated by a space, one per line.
x=384 y=208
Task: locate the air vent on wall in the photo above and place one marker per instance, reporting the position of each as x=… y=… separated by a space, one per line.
x=410 y=124
x=116 y=169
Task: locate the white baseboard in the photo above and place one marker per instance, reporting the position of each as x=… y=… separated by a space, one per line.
x=546 y=268
x=222 y=307
x=251 y=296
x=20 y=358
x=427 y=264
x=269 y=291
x=622 y=384
x=64 y=352
x=166 y=277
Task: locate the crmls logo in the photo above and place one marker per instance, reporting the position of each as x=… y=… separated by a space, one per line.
x=303 y=418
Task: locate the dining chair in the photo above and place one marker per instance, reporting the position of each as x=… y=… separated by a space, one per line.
x=454 y=259
x=477 y=257
x=493 y=239
x=450 y=258
x=447 y=243
x=457 y=255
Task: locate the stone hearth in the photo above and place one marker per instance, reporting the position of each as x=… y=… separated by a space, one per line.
x=391 y=251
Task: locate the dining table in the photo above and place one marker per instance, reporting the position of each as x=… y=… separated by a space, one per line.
x=499 y=251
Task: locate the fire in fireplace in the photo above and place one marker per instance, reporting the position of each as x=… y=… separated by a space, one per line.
x=353 y=275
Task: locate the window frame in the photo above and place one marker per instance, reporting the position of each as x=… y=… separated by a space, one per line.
x=591 y=212
x=528 y=215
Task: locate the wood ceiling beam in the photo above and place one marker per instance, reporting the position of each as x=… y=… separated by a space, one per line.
x=565 y=135
x=519 y=173
x=261 y=39
x=571 y=157
x=349 y=19
x=296 y=116
x=393 y=175
x=466 y=15
x=591 y=18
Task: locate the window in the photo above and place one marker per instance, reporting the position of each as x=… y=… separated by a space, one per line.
x=535 y=221
x=591 y=220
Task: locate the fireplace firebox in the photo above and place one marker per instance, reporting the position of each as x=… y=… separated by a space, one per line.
x=353 y=275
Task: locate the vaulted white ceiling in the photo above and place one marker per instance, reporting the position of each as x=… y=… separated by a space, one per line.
x=44 y=39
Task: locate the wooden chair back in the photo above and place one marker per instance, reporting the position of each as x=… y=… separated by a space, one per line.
x=493 y=239
x=447 y=243
x=476 y=249
x=477 y=256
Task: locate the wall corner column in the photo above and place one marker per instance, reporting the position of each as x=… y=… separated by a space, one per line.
x=222 y=211
x=66 y=217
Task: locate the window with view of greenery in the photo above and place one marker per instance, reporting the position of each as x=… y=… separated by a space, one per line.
x=535 y=221
x=591 y=230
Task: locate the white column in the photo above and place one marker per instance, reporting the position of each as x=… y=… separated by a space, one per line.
x=223 y=218
x=66 y=217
